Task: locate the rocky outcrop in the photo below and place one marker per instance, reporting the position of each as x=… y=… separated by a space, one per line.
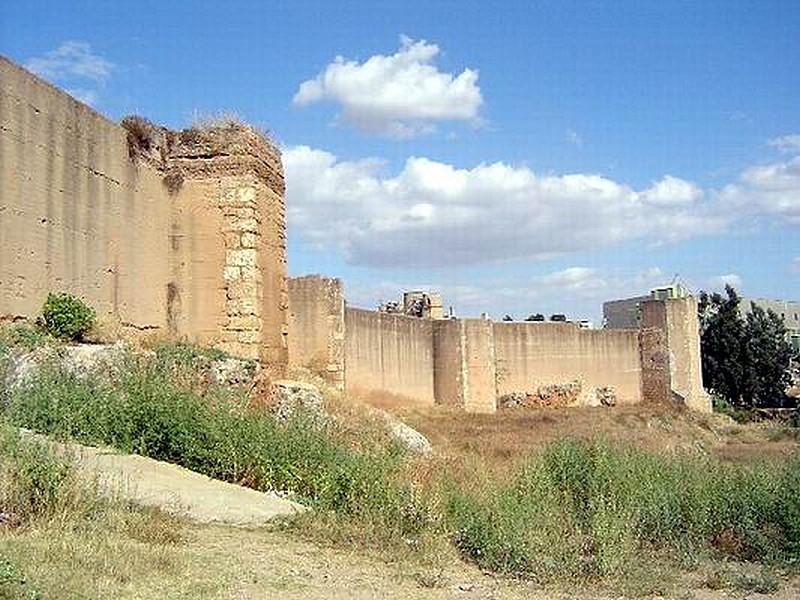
x=290 y=399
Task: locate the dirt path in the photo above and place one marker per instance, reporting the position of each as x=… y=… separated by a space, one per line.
x=174 y=489
x=266 y=563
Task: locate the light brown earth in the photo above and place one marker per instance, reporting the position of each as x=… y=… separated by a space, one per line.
x=511 y=433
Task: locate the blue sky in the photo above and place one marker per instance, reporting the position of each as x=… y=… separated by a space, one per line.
x=520 y=156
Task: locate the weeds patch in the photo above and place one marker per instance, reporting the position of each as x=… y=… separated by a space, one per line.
x=577 y=511
x=586 y=511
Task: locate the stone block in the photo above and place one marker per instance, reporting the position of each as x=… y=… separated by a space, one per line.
x=243 y=323
x=291 y=399
x=243 y=257
x=231 y=273
x=242 y=289
x=245 y=224
x=249 y=337
x=251 y=273
x=249 y=240
x=248 y=306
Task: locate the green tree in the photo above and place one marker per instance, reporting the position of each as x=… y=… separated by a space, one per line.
x=769 y=356
x=744 y=360
x=537 y=317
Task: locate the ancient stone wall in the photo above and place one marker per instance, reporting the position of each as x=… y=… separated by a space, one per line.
x=201 y=257
x=598 y=363
x=316 y=326
x=478 y=365
x=389 y=352
x=76 y=213
x=465 y=372
x=449 y=370
x=670 y=342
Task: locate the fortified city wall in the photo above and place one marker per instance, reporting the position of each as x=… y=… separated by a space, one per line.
x=182 y=235
x=478 y=365
x=184 y=239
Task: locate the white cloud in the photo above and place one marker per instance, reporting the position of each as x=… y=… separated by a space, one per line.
x=400 y=95
x=772 y=190
x=75 y=66
x=786 y=143
x=434 y=214
x=575 y=280
x=719 y=282
x=796 y=264
x=671 y=191
x=72 y=58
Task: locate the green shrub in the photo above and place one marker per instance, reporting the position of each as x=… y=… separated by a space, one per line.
x=34 y=483
x=147 y=409
x=67 y=317
x=13 y=583
x=588 y=510
x=722 y=406
x=24 y=336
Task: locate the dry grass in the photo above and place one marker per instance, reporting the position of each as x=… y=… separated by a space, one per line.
x=505 y=436
x=173 y=180
x=142 y=135
x=223 y=120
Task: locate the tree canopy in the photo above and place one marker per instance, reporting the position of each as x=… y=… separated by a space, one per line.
x=745 y=359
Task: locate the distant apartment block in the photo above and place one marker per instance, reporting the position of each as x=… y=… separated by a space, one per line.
x=626 y=313
x=787 y=310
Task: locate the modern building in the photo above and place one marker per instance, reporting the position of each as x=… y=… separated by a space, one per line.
x=787 y=310
x=626 y=313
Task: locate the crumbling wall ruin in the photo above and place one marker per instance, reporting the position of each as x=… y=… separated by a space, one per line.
x=586 y=366
x=316 y=326
x=177 y=234
x=479 y=366
x=670 y=347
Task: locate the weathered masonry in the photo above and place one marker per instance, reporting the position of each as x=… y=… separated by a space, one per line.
x=182 y=235
x=185 y=238
x=475 y=364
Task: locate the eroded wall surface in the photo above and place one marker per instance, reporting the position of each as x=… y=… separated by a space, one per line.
x=316 y=326
x=203 y=260
x=388 y=352
x=683 y=331
x=449 y=369
x=531 y=355
x=670 y=344
x=76 y=214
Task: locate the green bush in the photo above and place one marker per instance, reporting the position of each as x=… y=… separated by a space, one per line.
x=67 y=317
x=151 y=407
x=722 y=406
x=589 y=510
x=24 y=336
x=34 y=483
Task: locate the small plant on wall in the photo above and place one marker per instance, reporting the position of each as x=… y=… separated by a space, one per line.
x=67 y=317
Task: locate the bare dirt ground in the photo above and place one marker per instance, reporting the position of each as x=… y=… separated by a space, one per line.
x=269 y=564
